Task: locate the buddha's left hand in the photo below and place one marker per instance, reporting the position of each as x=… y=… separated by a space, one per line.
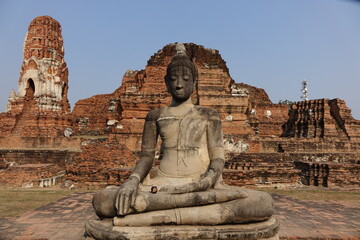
x=205 y=183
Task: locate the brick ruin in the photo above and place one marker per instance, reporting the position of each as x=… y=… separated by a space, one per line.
x=260 y=137
x=40 y=107
x=315 y=142
x=39 y=112
x=36 y=161
x=326 y=142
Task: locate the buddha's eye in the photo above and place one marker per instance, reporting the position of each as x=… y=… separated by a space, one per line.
x=173 y=77
x=186 y=77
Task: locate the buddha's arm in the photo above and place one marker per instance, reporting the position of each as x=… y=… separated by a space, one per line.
x=215 y=148
x=127 y=193
x=148 y=146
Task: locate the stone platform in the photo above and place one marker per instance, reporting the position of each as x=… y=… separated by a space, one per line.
x=97 y=229
x=65 y=219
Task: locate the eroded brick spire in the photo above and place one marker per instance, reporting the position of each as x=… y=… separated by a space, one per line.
x=44 y=74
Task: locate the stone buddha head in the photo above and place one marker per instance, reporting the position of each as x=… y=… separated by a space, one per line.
x=181 y=75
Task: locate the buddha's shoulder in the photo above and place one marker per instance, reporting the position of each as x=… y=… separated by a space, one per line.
x=153 y=115
x=207 y=112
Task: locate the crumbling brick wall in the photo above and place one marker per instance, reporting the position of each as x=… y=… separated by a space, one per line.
x=101 y=162
x=96 y=115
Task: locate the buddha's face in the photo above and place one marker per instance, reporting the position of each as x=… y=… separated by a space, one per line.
x=180 y=83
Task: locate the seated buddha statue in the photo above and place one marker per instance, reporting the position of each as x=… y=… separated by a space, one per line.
x=189 y=180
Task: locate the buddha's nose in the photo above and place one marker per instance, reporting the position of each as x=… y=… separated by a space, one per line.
x=179 y=85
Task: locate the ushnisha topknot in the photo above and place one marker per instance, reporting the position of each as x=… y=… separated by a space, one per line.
x=180 y=48
x=181 y=59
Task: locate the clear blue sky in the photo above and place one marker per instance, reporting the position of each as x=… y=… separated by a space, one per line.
x=268 y=44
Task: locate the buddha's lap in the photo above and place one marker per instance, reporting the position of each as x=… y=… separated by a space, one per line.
x=247 y=199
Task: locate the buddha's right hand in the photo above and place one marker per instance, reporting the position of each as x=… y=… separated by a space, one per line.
x=126 y=196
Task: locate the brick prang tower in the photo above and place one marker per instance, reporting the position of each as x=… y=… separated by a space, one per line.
x=41 y=106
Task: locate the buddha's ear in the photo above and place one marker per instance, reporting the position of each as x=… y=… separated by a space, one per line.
x=166 y=83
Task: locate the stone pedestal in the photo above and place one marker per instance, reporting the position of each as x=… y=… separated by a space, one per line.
x=97 y=229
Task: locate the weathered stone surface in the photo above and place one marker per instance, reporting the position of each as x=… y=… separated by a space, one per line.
x=261 y=231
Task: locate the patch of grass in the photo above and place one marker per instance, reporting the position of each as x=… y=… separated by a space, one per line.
x=14 y=202
x=317 y=194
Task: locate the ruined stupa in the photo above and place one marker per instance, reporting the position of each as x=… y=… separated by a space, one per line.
x=40 y=107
